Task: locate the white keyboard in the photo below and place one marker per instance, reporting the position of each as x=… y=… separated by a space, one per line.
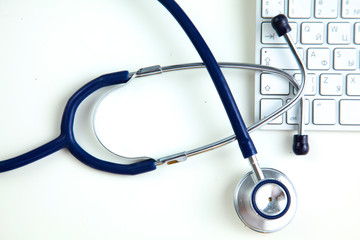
x=327 y=33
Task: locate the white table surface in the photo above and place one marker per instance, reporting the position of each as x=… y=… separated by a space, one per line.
x=49 y=49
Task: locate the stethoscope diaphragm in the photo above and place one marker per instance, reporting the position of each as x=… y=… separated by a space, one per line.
x=267 y=205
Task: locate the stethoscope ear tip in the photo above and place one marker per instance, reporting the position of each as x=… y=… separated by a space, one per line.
x=300 y=144
x=280 y=24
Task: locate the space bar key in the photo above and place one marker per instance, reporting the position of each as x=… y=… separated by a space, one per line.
x=349 y=112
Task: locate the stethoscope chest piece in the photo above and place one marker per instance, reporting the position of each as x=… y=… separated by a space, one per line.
x=267 y=205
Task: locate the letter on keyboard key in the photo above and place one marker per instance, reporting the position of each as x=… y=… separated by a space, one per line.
x=279 y=57
x=331 y=84
x=326 y=9
x=339 y=33
x=353 y=84
x=271 y=8
x=349 y=112
x=318 y=58
x=312 y=33
x=267 y=106
x=324 y=112
x=351 y=9
x=300 y=8
x=345 y=59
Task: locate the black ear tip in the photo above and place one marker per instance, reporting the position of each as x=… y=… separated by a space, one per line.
x=301 y=144
x=281 y=24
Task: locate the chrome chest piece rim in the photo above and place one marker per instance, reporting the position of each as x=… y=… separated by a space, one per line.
x=268 y=205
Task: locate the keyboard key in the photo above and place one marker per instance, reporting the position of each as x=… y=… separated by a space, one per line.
x=318 y=58
x=350 y=9
x=326 y=8
x=339 y=33
x=268 y=106
x=353 y=85
x=271 y=8
x=292 y=114
x=310 y=83
x=272 y=84
x=327 y=32
x=349 y=112
x=331 y=84
x=299 y=8
x=345 y=59
x=324 y=112
x=357 y=33
x=279 y=57
x=269 y=36
x=312 y=33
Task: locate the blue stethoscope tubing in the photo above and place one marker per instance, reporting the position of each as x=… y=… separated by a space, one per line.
x=245 y=143
x=66 y=139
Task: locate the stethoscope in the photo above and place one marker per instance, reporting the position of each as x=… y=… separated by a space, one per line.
x=265 y=199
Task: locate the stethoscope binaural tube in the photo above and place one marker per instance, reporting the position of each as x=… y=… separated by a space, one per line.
x=67 y=139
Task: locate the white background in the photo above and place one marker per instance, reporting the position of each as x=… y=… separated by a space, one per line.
x=49 y=49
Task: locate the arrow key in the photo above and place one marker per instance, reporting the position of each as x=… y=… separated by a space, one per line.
x=272 y=84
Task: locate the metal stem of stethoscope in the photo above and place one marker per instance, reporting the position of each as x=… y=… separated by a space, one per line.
x=259 y=175
x=303 y=80
x=300 y=144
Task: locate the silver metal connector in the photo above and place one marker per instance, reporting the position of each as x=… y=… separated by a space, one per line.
x=256 y=168
x=147 y=71
x=176 y=158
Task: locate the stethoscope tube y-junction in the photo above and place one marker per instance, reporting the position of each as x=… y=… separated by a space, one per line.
x=67 y=139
